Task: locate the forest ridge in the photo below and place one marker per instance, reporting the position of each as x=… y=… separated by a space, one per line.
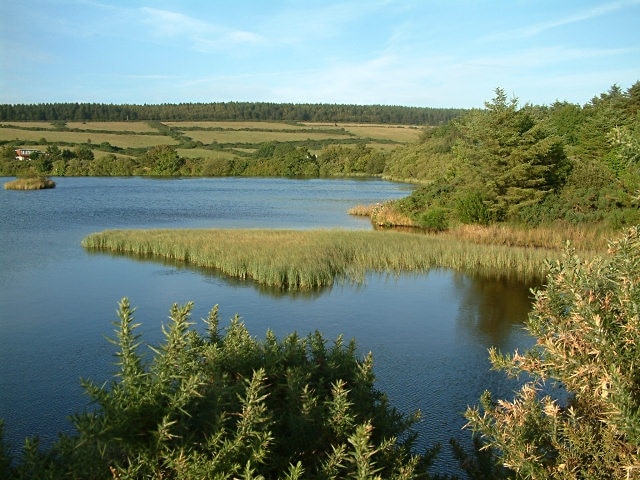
x=229 y=111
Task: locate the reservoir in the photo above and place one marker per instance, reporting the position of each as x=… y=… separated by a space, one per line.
x=429 y=333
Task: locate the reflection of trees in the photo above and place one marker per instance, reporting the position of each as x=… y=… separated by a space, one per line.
x=489 y=307
x=212 y=273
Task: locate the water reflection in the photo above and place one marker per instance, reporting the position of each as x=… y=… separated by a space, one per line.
x=491 y=307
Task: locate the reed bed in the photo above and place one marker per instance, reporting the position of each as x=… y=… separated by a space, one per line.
x=292 y=259
x=30 y=183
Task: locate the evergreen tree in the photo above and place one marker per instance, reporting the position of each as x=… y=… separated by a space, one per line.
x=508 y=157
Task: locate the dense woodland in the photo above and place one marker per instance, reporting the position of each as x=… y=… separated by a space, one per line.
x=290 y=112
x=224 y=405
x=528 y=164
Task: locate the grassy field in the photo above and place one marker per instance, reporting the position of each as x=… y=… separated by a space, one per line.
x=223 y=134
x=256 y=136
x=239 y=125
x=136 y=127
x=205 y=154
x=310 y=259
x=20 y=136
x=395 y=133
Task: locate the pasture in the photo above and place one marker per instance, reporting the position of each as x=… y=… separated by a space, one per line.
x=135 y=127
x=19 y=136
x=207 y=140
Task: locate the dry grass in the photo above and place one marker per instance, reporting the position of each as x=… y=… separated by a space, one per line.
x=119 y=140
x=396 y=133
x=584 y=238
x=205 y=154
x=136 y=127
x=401 y=134
x=30 y=183
x=231 y=125
x=310 y=259
x=256 y=136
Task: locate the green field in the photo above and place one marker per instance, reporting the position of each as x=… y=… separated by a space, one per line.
x=144 y=134
x=21 y=136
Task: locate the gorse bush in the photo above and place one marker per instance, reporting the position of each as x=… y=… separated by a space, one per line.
x=587 y=325
x=225 y=405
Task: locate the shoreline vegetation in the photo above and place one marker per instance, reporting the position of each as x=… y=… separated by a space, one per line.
x=301 y=260
x=30 y=183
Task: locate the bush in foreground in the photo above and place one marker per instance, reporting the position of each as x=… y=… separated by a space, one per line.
x=587 y=325
x=224 y=405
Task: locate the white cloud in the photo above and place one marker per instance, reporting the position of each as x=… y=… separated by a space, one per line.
x=536 y=29
x=202 y=36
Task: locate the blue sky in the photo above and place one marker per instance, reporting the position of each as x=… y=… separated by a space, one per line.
x=433 y=53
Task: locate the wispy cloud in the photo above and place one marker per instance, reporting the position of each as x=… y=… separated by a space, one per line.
x=202 y=36
x=538 y=28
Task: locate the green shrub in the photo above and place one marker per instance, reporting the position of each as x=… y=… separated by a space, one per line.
x=471 y=208
x=224 y=405
x=435 y=220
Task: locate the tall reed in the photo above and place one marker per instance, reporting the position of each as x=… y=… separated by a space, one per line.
x=30 y=183
x=316 y=258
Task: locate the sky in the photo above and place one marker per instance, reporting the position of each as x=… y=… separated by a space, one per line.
x=424 y=53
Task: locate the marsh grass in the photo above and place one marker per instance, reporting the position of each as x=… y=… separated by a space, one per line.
x=591 y=237
x=30 y=183
x=317 y=258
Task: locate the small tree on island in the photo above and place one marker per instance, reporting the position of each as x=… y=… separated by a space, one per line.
x=587 y=324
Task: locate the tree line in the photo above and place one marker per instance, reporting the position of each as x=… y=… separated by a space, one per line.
x=229 y=111
x=528 y=164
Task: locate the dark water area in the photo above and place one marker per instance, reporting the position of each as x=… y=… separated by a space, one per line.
x=429 y=333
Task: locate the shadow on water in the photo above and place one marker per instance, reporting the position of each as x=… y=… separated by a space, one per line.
x=491 y=307
x=216 y=276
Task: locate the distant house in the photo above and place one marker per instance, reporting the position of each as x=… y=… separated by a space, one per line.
x=25 y=153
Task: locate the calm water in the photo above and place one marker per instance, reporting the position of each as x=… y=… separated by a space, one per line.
x=429 y=333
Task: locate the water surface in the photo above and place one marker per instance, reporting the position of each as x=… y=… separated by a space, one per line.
x=429 y=333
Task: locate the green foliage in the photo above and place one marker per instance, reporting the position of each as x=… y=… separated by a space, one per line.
x=225 y=405
x=434 y=220
x=509 y=157
x=337 y=160
x=84 y=153
x=587 y=324
x=59 y=113
x=428 y=160
x=163 y=160
x=531 y=165
x=471 y=208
